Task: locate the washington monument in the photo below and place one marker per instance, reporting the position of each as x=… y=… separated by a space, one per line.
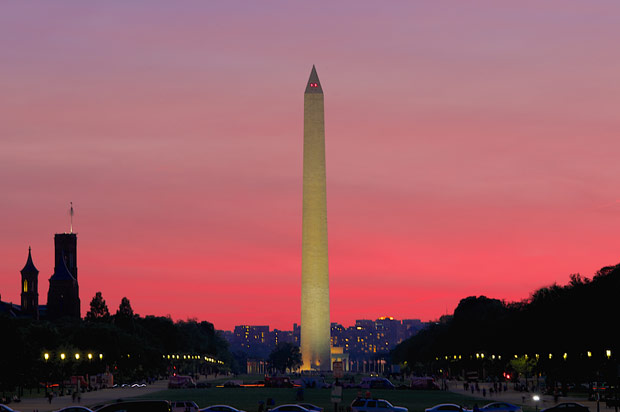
x=315 y=322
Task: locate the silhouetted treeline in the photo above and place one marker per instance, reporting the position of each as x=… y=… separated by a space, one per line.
x=562 y=332
x=132 y=347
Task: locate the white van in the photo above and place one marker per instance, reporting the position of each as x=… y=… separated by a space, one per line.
x=184 y=406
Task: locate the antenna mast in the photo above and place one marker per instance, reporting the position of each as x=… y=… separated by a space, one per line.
x=71 y=214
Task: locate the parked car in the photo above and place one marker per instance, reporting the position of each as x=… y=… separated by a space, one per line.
x=278 y=382
x=446 y=407
x=424 y=383
x=220 y=408
x=181 y=382
x=567 y=407
x=288 y=408
x=137 y=406
x=75 y=409
x=184 y=406
x=501 y=407
x=311 y=407
x=4 y=408
x=375 y=405
x=376 y=383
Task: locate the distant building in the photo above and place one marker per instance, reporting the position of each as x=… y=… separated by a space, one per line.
x=30 y=288
x=63 y=297
x=364 y=347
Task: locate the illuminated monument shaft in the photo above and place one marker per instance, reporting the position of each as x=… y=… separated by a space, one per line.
x=315 y=322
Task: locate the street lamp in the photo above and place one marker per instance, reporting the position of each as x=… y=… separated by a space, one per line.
x=62 y=374
x=46 y=356
x=536 y=398
x=77 y=356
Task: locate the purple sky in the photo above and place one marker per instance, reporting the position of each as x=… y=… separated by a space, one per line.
x=471 y=149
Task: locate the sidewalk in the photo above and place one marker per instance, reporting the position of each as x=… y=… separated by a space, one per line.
x=88 y=398
x=520 y=398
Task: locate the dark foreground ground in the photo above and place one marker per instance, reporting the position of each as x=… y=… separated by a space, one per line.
x=248 y=398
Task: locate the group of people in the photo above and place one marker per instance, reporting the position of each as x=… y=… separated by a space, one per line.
x=475 y=387
x=75 y=396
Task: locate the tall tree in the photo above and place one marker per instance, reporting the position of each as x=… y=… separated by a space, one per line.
x=124 y=317
x=98 y=309
x=124 y=309
x=285 y=356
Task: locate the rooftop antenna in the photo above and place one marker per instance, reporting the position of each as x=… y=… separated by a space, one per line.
x=71 y=214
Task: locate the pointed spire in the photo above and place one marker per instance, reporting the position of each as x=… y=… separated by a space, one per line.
x=314 y=85
x=29 y=267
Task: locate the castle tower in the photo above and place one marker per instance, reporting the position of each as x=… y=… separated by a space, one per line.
x=63 y=297
x=65 y=249
x=30 y=288
x=315 y=321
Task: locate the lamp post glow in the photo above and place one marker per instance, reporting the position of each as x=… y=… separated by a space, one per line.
x=46 y=356
x=77 y=356
x=536 y=398
x=62 y=374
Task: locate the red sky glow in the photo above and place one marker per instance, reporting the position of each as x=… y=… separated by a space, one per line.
x=472 y=149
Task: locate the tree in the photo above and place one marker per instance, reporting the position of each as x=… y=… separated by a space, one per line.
x=124 y=309
x=285 y=356
x=124 y=317
x=98 y=309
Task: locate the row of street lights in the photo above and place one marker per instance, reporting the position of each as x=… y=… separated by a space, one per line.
x=481 y=355
x=77 y=356
x=65 y=357
x=193 y=357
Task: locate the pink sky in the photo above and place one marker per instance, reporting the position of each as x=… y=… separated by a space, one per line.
x=472 y=149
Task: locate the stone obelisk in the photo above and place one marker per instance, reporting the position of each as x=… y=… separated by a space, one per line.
x=315 y=322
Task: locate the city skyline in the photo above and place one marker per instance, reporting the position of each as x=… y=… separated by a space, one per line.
x=471 y=151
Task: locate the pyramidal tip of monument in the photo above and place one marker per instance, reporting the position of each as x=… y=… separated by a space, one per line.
x=314 y=85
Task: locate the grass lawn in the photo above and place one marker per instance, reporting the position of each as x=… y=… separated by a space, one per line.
x=247 y=398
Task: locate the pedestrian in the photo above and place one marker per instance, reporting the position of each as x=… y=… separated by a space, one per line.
x=49 y=397
x=484 y=392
